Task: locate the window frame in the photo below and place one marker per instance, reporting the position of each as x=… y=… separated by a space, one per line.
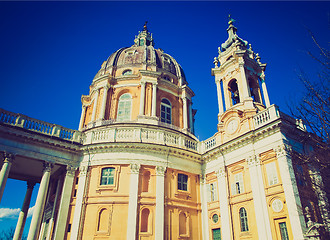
x=272 y=173
x=243 y=219
x=112 y=187
x=125 y=116
x=167 y=114
x=182 y=183
x=237 y=186
x=111 y=176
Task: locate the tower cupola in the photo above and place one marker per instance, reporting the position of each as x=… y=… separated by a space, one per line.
x=144 y=38
x=239 y=74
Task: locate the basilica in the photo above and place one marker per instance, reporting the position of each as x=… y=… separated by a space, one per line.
x=135 y=170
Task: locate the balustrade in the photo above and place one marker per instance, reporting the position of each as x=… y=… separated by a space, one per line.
x=39 y=126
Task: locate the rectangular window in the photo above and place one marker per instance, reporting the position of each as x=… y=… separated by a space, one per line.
x=216 y=233
x=271 y=173
x=182 y=182
x=107 y=176
x=284 y=231
x=238 y=186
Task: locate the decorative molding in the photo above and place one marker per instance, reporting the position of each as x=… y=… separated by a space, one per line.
x=47 y=166
x=160 y=170
x=253 y=160
x=8 y=157
x=221 y=172
x=283 y=150
x=83 y=170
x=135 y=167
x=70 y=170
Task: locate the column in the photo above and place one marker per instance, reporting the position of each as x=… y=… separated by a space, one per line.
x=7 y=161
x=154 y=99
x=185 y=112
x=290 y=188
x=24 y=211
x=243 y=81
x=205 y=220
x=142 y=97
x=264 y=89
x=132 y=204
x=51 y=221
x=224 y=203
x=79 y=201
x=62 y=215
x=82 y=117
x=259 y=198
x=191 y=122
x=160 y=189
x=104 y=101
x=40 y=202
x=95 y=105
x=220 y=103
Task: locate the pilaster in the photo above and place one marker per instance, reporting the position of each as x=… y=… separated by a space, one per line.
x=290 y=188
x=259 y=198
x=132 y=204
x=224 y=203
x=205 y=222
x=83 y=170
x=160 y=189
x=142 y=97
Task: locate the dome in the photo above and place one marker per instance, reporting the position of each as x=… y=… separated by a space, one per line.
x=142 y=56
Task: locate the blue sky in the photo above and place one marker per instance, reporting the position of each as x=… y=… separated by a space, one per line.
x=50 y=52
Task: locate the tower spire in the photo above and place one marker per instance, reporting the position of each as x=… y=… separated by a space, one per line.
x=232 y=36
x=144 y=38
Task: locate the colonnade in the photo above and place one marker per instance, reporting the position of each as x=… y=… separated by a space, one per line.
x=39 y=207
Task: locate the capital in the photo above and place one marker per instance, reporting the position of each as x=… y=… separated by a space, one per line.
x=283 y=150
x=221 y=172
x=70 y=170
x=253 y=160
x=47 y=166
x=8 y=157
x=135 y=167
x=83 y=170
x=30 y=184
x=160 y=170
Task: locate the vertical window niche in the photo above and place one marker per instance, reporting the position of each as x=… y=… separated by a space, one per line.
x=212 y=192
x=237 y=187
x=146 y=181
x=234 y=92
x=103 y=221
x=145 y=221
x=166 y=111
x=271 y=173
x=183 y=225
x=243 y=220
x=182 y=182
x=124 y=107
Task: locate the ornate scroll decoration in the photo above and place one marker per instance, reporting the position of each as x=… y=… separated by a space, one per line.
x=160 y=170
x=221 y=172
x=83 y=170
x=47 y=166
x=253 y=160
x=8 y=157
x=135 y=167
x=70 y=170
x=283 y=150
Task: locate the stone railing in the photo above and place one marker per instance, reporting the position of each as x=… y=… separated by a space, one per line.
x=141 y=134
x=42 y=127
x=266 y=116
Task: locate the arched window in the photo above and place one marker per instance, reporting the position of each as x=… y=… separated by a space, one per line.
x=145 y=220
x=243 y=219
x=233 y=88
x=182 y=182
x=165 y=111
x=254 y=90
x=108 y=176
x=124 y=107
x=145 y=181
x=127 y=72
x=182 y=223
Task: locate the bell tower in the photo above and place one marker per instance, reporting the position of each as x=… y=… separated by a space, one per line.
x=238 y=76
